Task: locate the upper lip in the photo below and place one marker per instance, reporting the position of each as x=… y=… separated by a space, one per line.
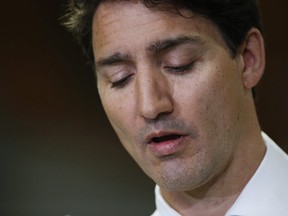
x=149 y=138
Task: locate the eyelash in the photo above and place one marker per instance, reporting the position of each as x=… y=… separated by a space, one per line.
x=181 y=69
x=122 y=82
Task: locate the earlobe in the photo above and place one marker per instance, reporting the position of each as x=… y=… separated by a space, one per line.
x=253 y=53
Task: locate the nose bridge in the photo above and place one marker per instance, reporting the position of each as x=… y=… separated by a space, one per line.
x=153 y=93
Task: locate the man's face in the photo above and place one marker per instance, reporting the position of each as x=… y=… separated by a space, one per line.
x=171 y=90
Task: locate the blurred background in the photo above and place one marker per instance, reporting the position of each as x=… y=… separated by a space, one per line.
x=58 y=154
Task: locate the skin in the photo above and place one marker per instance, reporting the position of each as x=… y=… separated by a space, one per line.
x=159 y=74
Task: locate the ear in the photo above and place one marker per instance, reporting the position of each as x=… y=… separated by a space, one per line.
x=253 y=54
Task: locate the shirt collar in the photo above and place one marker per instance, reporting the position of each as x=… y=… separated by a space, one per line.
x=264 y=194
x=162 y=206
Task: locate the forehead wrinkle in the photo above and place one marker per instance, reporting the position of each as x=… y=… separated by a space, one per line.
x=106 y=25
x=109 y=8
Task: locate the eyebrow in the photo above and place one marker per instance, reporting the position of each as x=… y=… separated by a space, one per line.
x=155 y=47
x=162 y=45
x=112 y=60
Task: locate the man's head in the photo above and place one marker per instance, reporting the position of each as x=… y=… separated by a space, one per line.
x=234 y=18
x=176 y=87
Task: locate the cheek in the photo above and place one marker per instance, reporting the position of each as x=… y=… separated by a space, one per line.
x=208 y=99
x=117 y=113
x=115 y=105
x=221 y=111
x=120 y=112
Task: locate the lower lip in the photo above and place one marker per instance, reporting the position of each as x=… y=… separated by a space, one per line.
x=167 y=148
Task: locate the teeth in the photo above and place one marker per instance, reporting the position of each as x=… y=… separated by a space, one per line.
x=165 y=138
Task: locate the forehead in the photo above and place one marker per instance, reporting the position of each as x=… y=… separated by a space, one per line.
x=126 y=24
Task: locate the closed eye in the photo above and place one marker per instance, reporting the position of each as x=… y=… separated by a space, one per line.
x=122 y=82
x=181 y=69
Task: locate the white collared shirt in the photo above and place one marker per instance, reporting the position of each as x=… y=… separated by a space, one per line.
x=266 y=194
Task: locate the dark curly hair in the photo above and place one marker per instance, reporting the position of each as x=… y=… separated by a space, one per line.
x=234 y=18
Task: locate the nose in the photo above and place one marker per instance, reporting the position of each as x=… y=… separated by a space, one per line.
x=154 y=98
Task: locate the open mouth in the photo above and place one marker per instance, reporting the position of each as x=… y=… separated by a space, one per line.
x=165 y=138
x=163 y=144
